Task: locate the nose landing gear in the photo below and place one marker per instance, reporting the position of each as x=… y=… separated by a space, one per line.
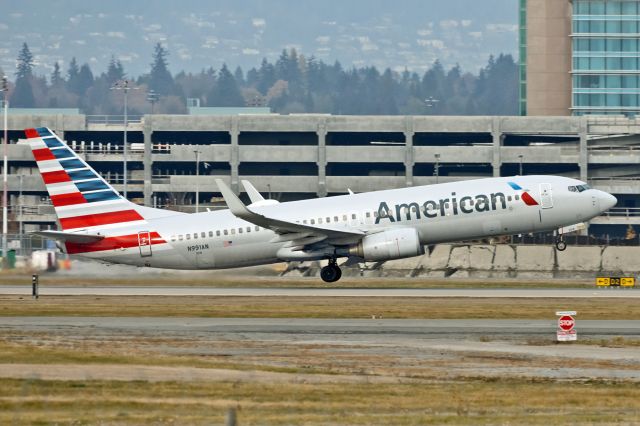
x=561 y=244
x=331 y=273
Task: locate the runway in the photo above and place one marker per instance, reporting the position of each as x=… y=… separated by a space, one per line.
x=346 y=328
x=320 y=292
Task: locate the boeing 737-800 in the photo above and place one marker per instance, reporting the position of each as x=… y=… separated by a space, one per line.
x=97 y=222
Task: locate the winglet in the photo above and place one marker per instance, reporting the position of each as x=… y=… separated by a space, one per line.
x=253 y=193
x=234 y=203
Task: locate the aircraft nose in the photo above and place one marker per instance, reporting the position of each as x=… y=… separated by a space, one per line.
x=606 y=200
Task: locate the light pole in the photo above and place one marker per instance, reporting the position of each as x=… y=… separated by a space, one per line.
x=124 y=86
x=436 y=169
x=197 y=179
x=152 y=97
x=5 y=166
x=520 y=157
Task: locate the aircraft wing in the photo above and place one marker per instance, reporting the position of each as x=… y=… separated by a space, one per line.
x=71 y=237
x=299 y=231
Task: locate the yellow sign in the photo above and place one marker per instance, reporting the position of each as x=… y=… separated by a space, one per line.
x=615 y=281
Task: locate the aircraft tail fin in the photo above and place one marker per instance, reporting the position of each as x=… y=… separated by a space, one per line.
x=81 y=197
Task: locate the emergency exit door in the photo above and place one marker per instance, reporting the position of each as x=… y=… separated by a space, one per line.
x=144 y=242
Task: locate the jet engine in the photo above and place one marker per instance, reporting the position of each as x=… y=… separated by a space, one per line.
x=387 y=245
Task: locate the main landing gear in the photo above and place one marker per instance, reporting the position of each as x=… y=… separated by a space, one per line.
x=331 y=273
x=561 y=244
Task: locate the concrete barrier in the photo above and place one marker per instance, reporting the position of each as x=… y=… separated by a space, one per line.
x=576 y=258
x=621 y=259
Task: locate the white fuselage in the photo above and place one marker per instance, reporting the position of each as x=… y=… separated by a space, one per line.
x=440 y=213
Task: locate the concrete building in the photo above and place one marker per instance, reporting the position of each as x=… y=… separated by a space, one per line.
x=301 y=156
x=579 y=57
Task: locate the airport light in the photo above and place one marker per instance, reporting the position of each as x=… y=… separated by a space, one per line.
x=436 y=168
x=197 y=179
x=520 y=157
x=5 y=166
x=125 y=87
x=431 y=101
x=152 y=98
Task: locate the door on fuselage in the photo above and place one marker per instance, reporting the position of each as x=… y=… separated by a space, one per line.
x=144 y=243
x=546 y=198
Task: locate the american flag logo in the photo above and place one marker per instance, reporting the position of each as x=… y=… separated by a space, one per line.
x=227 y=243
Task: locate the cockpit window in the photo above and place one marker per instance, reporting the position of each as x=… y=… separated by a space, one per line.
x=579 y=188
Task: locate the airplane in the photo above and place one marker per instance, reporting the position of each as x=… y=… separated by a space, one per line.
x=96 y=222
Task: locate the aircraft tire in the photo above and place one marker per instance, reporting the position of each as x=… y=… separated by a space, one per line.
x=330 y=273
x=561 y=245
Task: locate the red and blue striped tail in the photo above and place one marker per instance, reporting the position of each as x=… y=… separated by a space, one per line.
x=81 y=197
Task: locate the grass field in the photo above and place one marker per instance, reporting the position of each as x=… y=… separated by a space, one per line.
x=317 y=307
x=470 y=402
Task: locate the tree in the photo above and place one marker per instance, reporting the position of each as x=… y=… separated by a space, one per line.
x=115 y=71
x=160 y=79
x=225 y=92
x=72 y=76
x=266 y=76
x=85 y=79
x=23 y=93
x=56 y=76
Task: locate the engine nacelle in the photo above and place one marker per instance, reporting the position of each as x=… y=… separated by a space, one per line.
x=387 y=245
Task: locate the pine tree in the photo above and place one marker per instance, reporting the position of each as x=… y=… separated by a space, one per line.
x=266 y=76
x=23 y=93
x=115 y=71
x=85 y=79
x=72 y=76
x=56 y=76
x=225 y=92
x=160 y=79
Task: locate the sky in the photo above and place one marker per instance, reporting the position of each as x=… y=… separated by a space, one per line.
x=200 y=34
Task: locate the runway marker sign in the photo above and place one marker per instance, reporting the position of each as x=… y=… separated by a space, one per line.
x=566 y=326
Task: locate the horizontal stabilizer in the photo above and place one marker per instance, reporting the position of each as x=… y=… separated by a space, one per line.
x=69 y=237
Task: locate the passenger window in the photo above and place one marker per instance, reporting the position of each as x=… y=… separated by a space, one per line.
x=375 y=214
x=248 y=229
x=344 y=217
x=517 y=197
x=368 y=215
x=173 y=238
x=313 y=221
x=257 y=228
x=509 y=198
x=233 y=232
x=217 y=233
x=226 y=232
x=353 y=216
x=211 y=234
x=320 y=220
x=335 y=219
x=180 y=237
x=328 y=219
x=304 y=221
x=203 y=234
x=239 y=230
x=188 y=236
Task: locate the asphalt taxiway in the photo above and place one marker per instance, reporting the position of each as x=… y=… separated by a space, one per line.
x=321 y=292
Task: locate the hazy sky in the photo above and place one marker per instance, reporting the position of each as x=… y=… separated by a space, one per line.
x=204 y=33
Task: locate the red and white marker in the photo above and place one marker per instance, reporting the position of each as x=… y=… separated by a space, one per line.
x=566 y=326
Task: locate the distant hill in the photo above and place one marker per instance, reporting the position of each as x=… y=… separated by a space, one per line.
x=200 y=34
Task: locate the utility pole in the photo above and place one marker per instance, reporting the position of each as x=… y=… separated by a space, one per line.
x=5 y=166
x=124 y=86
